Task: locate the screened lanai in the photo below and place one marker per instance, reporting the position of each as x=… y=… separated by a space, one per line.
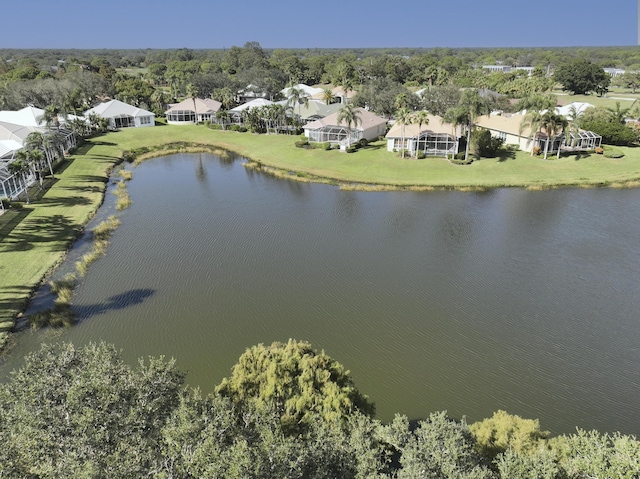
x=124 y=121
x=334 y=134
x=583 y=140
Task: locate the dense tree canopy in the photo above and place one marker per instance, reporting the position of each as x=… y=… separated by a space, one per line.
x=580 y=76
x=83 y=412
x=296 y=381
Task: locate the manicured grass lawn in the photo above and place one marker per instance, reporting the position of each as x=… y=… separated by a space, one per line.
x=34 y=240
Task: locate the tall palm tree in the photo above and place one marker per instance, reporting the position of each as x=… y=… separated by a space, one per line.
x=21 y=169
x=349 y=115
x=553 y=125
x=404 y=117
x=36 y=141
x=471 y=106
x=224 y=95
x=535 y=105
x=420 y=118
x=192 y=92
x=296 y=97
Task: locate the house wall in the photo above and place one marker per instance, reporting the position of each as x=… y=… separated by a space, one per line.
x=144 y=121
x=374 y=132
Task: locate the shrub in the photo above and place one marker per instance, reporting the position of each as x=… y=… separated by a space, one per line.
x=6 y=202
x=484 y=144
x=242 y=129
x=215 y=126
x=537 y=150
x=234 y=127
x=128 y=156
x=421 y=155
x=362 y=142
x=613 y=153
x=612 y=132
x=302 y=143
x=351 y=149
x=599 y=150
x=326 y=146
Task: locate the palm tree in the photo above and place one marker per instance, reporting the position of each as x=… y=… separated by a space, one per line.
x=471 y=106
x=350 y=115
x=224 y=95
x=404 y=117
x=192 y=91
x=618 y=114
x=297 y=96
x=553 y=125
x=223 y=117
x=36 y=141
x=327 y=96
x=50 y=117
x=21 y=169
x=420 y=118
x=535 y=105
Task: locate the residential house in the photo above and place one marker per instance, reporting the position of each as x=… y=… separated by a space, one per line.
x=329 y=129
x=508 y=128
x=122 y=115
x=435 y=138
x=187 y=111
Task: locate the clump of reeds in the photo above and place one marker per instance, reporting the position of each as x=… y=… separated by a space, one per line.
x=122 y=195
x=126 y=175
x=61 y=314
x=101 y=234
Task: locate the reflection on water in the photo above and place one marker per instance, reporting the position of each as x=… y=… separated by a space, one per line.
x=470 y=302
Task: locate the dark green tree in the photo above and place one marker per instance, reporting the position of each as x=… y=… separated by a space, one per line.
x=580 y=76
x=83 y=413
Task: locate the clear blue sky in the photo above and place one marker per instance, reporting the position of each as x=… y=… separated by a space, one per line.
x=309 y=24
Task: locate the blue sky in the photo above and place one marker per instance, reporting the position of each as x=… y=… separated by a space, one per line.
x=299 y=24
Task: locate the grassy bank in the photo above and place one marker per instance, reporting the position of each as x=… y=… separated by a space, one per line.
x=34 y=240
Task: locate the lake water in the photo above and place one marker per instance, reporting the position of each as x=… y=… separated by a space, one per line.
x=469 y=302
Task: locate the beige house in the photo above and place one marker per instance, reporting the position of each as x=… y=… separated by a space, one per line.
x=186 y=112
x=435 y=138
x=328 y=129
x=508 y=128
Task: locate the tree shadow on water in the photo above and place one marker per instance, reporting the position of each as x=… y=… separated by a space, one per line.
x=119 y=301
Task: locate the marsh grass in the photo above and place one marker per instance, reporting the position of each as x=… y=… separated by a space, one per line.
x=61 y=315
x=123 y=200
x=126 y=175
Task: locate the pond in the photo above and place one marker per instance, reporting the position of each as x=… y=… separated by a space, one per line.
x=470 y=302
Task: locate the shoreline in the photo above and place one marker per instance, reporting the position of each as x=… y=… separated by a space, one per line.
x=80 y=185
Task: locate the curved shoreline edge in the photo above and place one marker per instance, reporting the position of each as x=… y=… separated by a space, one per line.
x=40 y=241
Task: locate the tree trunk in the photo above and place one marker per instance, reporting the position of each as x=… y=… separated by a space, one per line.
x=466 y=149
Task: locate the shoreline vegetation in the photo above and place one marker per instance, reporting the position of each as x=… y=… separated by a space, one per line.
x=35 y=239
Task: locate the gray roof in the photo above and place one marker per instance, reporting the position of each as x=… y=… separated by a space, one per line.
x=117 y=108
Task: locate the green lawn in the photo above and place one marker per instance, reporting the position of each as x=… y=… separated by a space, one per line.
x=35 y=239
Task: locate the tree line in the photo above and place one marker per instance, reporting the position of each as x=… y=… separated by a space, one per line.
x=285 y=411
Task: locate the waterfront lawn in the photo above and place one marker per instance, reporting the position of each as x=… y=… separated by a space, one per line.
x=375 y=165
x=36 y=238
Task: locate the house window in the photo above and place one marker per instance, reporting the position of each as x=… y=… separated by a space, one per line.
x=145 y=120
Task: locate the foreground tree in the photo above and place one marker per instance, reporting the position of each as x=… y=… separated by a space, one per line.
x=83 y=413
x=296 y=381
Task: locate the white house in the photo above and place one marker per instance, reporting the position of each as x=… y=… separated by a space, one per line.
x=306 y=89
x=329 y=129
x=122 y=115
x=185 y=112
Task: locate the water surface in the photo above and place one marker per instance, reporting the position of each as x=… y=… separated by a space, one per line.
x=469 y=302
